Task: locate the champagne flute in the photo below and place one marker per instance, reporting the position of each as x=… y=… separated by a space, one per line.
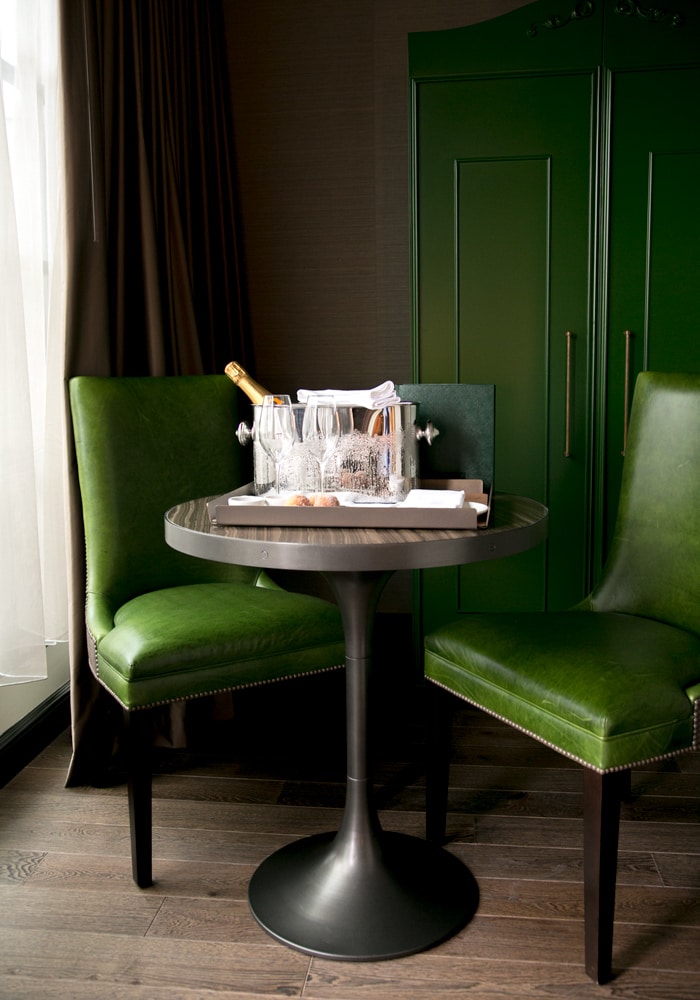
x=276 y=430
x=321 y=430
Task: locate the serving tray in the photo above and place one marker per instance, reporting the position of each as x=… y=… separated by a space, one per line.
x=354 y=516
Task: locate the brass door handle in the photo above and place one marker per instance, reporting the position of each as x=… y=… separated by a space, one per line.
x=567 y=410
x=628 y=359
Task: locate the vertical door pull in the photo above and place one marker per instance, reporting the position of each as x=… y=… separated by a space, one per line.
x=628 y=359
x=567 y=416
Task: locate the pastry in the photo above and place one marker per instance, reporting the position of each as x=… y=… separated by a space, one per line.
x=325 y=500
x=297 y=500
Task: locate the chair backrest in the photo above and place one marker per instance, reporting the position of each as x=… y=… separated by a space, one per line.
x=653 y=568
x=143 y=445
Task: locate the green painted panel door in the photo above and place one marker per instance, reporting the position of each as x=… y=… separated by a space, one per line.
x=654 y=245
x=503 y=182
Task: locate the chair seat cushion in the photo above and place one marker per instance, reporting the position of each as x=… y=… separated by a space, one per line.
x=183 y=642
x=609 y=690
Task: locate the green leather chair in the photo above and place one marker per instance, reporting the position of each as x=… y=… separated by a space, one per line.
x=615 y=682
x=162 y=626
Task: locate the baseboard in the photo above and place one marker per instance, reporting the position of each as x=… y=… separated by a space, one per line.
x=32 y=734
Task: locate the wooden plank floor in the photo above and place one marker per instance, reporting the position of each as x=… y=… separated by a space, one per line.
x=73 y=924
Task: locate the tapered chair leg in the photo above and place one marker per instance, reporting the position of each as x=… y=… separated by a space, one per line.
x=439 y=722
x=139 y=779
x=601 y=824
x=625 y=778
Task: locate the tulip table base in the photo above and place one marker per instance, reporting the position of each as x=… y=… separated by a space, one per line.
x=361 y=894
x=391 y=897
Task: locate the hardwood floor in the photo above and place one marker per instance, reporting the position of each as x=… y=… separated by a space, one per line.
x=73 y=924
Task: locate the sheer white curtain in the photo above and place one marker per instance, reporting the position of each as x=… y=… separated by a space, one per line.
x=33 y=579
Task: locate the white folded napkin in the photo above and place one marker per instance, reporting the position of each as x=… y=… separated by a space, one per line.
x=246 y=501
x=372 y=399
x=435 y=498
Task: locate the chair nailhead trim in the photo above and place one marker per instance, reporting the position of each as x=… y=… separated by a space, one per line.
x=93 y=660
x=571 y=756
x=221 y=690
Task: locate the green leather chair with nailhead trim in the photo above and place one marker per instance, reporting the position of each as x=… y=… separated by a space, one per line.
x=615 y=682
x=162 y=626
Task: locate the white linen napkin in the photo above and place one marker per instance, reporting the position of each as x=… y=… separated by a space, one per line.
x=435 y=498
x=372 y=399
x=246 y=501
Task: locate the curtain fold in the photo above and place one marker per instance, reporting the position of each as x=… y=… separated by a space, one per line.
x=154 y=273
x=33 y=607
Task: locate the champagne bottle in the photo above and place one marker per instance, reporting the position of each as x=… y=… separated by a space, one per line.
x=240 y=377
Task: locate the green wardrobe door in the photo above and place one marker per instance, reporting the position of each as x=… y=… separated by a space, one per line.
x=503 y=243
x=556 y=244
x=653 y=308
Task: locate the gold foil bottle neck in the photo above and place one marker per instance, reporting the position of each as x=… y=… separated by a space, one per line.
x=246 y=383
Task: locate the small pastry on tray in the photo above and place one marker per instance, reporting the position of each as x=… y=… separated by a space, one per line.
x=297 y=500
x=315 y=500
x=325 y=500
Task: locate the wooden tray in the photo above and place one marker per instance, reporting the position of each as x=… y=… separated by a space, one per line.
x=221 y=512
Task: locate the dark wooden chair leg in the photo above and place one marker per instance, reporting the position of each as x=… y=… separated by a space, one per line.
x=139 y=780
x=601 y=824
x=626 y=785
x=439 y=738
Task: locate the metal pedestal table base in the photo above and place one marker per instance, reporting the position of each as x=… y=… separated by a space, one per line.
x=319 y=896
x=361 y=894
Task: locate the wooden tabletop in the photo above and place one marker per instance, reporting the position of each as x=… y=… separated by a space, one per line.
x=517 y=524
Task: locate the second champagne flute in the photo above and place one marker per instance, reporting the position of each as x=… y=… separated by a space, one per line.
x=321 y=430
x=276 y=430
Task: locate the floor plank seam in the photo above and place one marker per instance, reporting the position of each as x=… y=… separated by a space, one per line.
x=196 y=940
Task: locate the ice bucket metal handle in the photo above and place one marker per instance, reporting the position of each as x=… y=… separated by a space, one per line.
x=245 y=433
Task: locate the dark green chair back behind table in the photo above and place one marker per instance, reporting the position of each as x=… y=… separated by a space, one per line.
x=615 y=682
x=163 y=626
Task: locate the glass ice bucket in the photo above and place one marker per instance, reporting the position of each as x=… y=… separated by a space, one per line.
x=376 y=456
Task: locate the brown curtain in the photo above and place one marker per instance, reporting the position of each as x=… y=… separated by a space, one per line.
x=154 y=275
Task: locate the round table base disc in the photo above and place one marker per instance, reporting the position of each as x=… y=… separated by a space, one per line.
x=362 y=902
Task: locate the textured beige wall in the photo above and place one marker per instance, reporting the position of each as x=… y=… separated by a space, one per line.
x=320 y=104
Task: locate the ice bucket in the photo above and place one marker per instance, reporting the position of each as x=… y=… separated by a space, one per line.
x=376 y=456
